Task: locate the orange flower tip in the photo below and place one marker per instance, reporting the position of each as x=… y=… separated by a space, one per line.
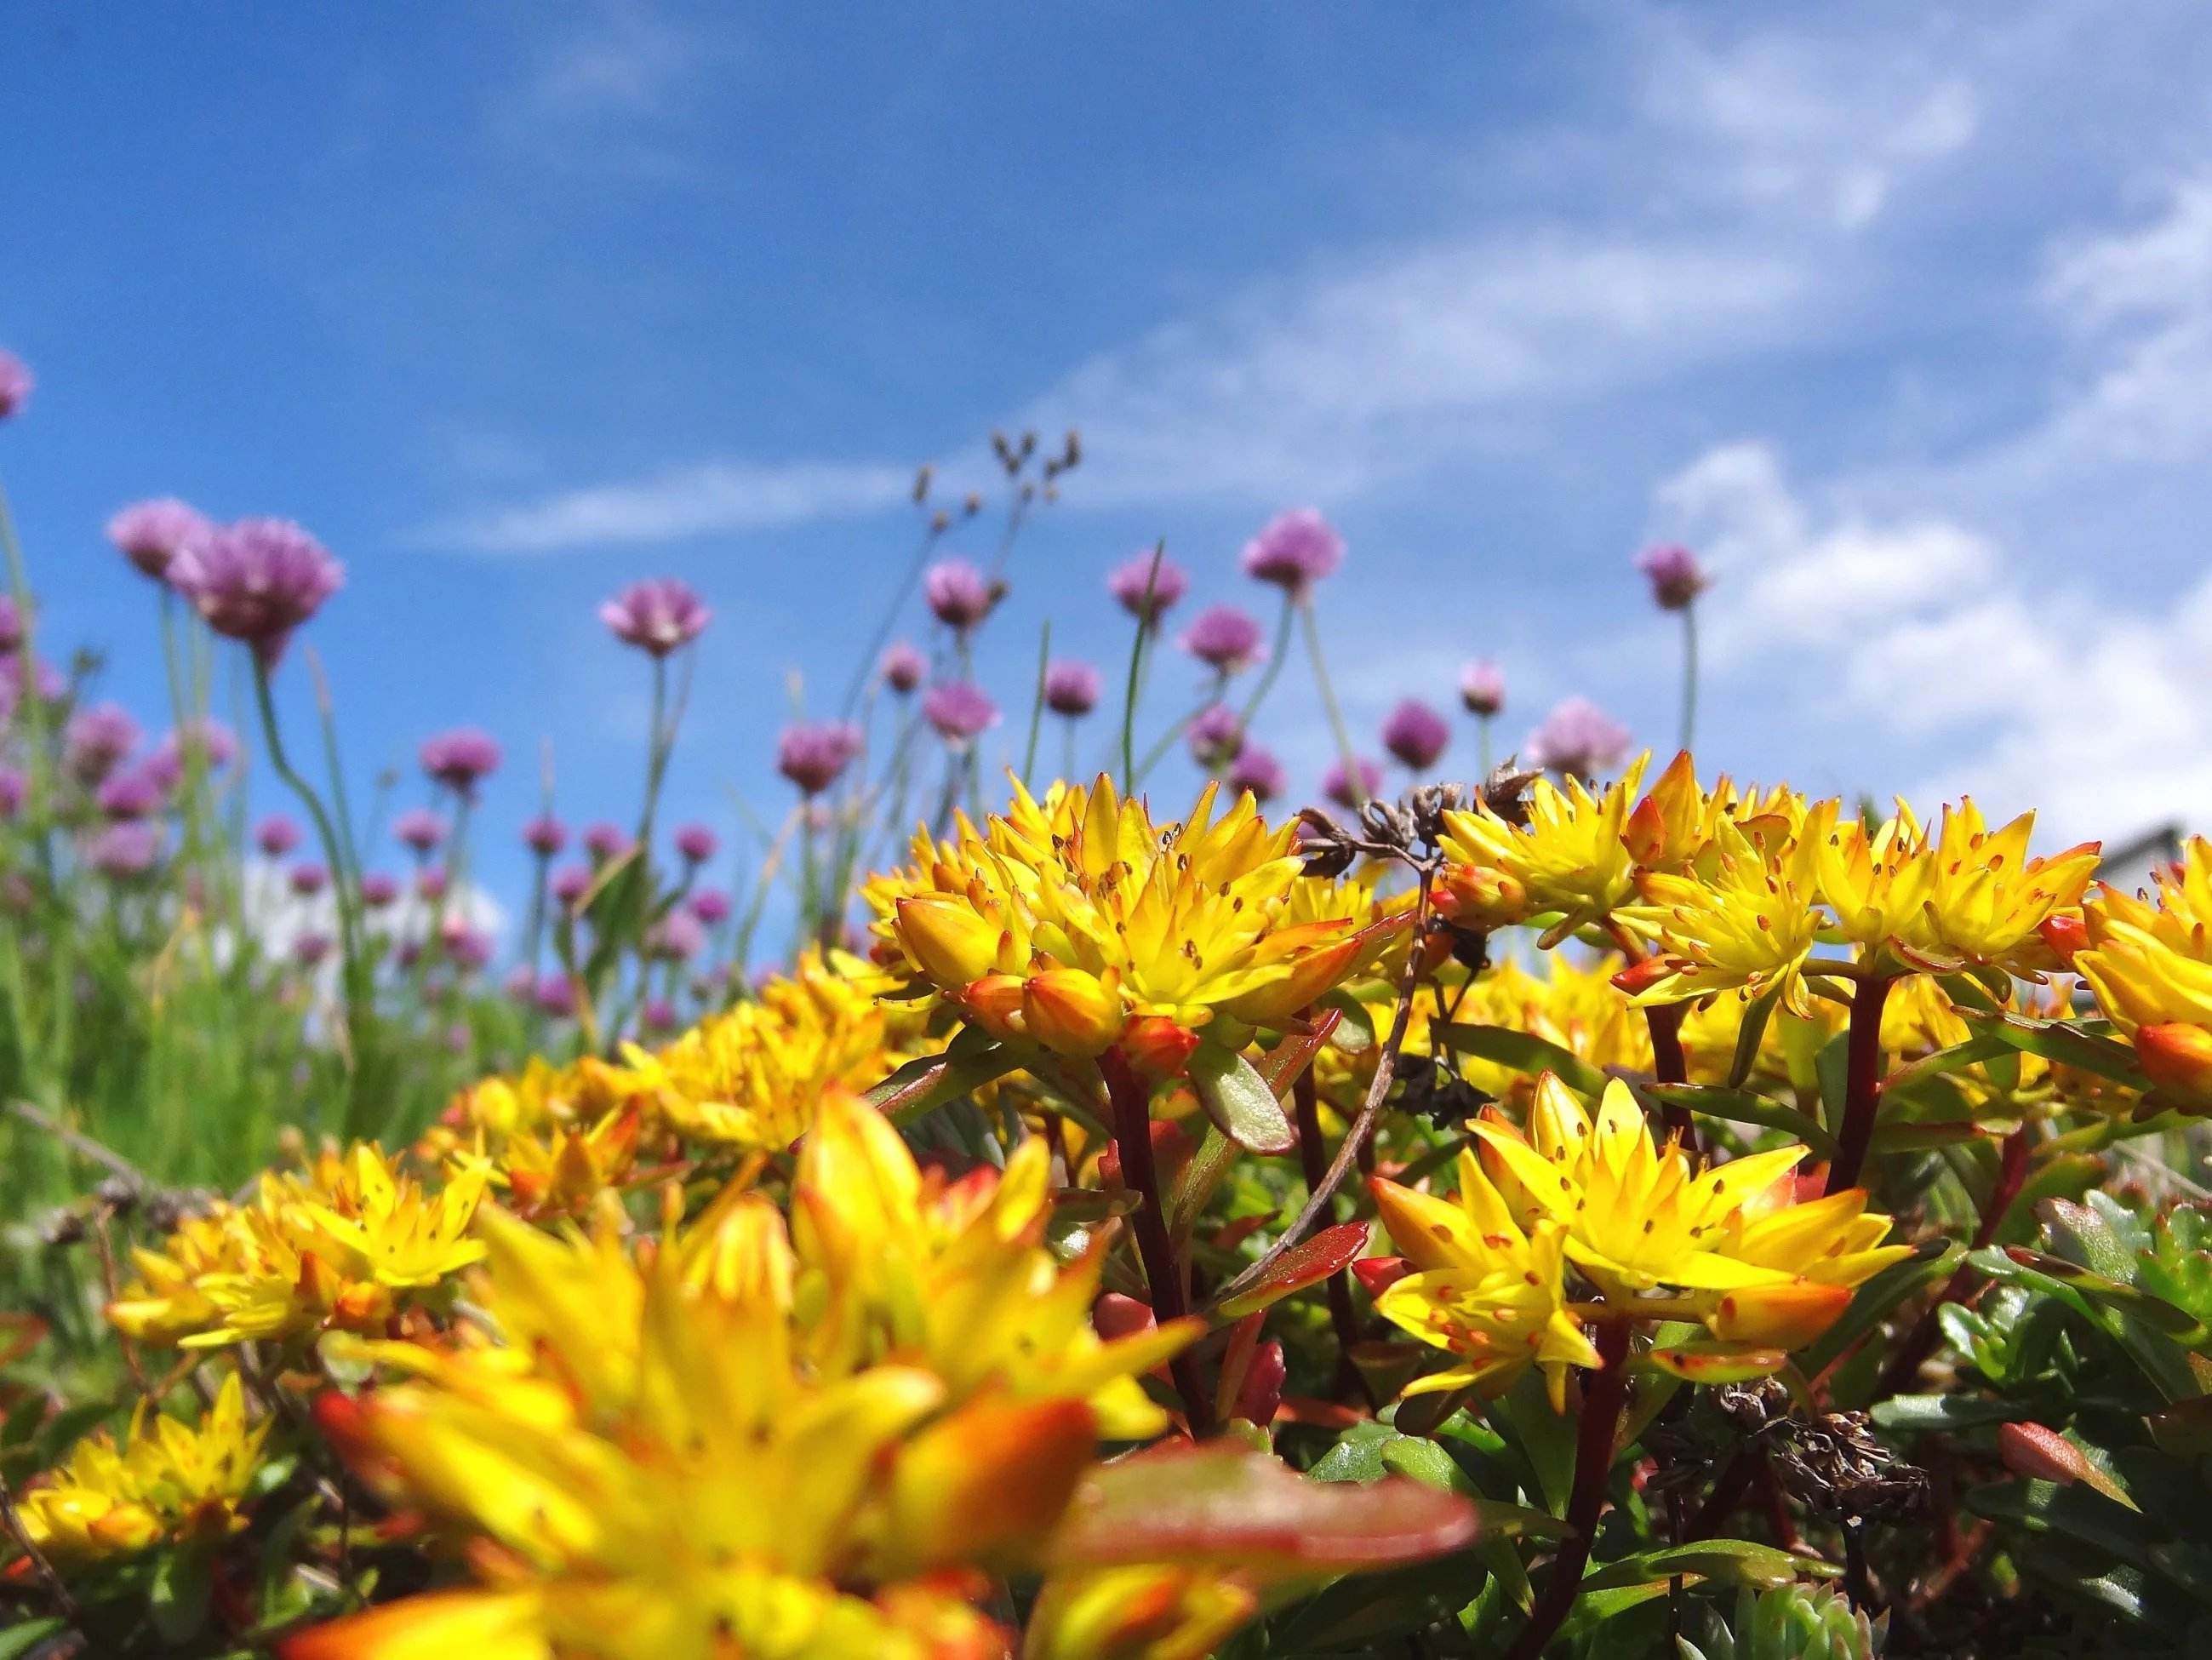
x=2040 y=1454
x=2178 y=1058
x=1378 y=1274
x=2065 y=934
x=1117 y=1316
x=1157 y=1047
x=1071 y=1012
x=1642 y=977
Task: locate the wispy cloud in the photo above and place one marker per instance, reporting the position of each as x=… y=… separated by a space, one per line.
x=714 y=498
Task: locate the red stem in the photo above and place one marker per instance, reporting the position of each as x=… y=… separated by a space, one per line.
x=1313 y=1158
x=1667 y=1061
x=1727 y=1493
x=1862 y=1083
x=1920 y=1343
x=1133 y=1139
x=1603 y=1394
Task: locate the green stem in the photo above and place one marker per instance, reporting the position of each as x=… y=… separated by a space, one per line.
x=1036 y=704
x=1136 y=670
x=1482 y=727
x=1353 y=781
x=1267 y=676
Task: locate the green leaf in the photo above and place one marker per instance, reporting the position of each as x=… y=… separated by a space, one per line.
x=1918 y=1138
x=1730 y=1561
x=927 y=1082
x=1831 y=1070
x=1547 y=1439
x=23 y=1422
x=1196 y=1186
x=1925 y=1414
x=22 y=1639
x=2077 y=1511
x=1742 y=1107
x=1239 y=1100
x=2068 y=1045
x=1526 y=1052
x=1358 y=1614
x=1957 y=1058
x=1751 y=1033
x=182 y=1587
x=1428 y=1464
x=1355 y=1023
x=1330 y=1251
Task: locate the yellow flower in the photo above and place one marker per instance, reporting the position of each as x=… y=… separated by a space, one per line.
x=1987 y=898
x=1875 y=882
x=1486 y=1291
x=1748 y=925
x=1074 y=917
x=1149 y=1612
x=1673 y=828
x=1569 y=857
x=167 y=1481
x=2150 y=966
x=565 y=1171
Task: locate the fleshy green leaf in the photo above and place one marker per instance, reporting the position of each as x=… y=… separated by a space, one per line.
x=182 y=1588
x=1751 y=1033
x=926 y=1083
x=22 y=1639
x=1238 y=1099
x=1330 y=1251
x=1730 y=1561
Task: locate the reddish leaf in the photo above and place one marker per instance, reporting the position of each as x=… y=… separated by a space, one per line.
x=1231 y=1508
x=1330 y=1251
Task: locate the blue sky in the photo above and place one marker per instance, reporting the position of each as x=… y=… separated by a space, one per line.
x=1902 y=316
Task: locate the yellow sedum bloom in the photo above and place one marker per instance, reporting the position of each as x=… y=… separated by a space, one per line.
x=166 y=1480
x=1569 y=857
x=2150 y=964
x=1988 y=900
x=1748 y=926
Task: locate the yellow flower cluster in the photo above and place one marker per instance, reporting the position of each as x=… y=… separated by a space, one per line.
x=2149 y=962
x=348 y=1246
x=166 y=1480
x=755 y=1438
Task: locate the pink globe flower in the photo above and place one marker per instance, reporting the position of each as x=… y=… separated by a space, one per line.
x=903 y=668
x=1215 y=736
x=1578 y=739
x=710 y=905
x=212 y=742
x=96 y=739
x=379 y=889
x=13 y=787
x=11 y=626
x=659 y=1014
x=604 y=841
x=571 y=882
x=134 y=794
x=256 y=581
x=960 y=711
x=277 y=836
x=458 y=759
x=677 y=937
x=695 y=843
x=545 y=835
x=17 y=385
x=557 y=996
x=959 y=595
x=1675 y=575
x=1333 y=783
x=1294 y=551
x=420 y=829
x=125 y=850
x=1416 y=734
x=1482 y=689
x=309 y=878
x=1131 y=579
x=467 y=948
x=658 y=616
x=1226 y=638
x=1072 y=689
x=815 y=754
x=1257 y=774
x=152 y=535
x=310 y=948
x=434 y=883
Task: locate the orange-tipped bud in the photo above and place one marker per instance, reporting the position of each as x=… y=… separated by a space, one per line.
x=2040 y=1454
x=1157 y=1047
x=2178 y=1058
x=1071 y=1013
x=995 y=1001
x=1378 y=1274
x=2065 y=933
x=1115 y=1316
x=1788 y=1316
x=1644 y=976
x=988 y=1482
x=1477 y=896
x=1262 y=1391
x=950 y=942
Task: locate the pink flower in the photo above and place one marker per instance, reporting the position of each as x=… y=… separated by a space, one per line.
x=677 y=936
x=1579 y=739
x=215 y=743
x=1294 y=551
x=1072 y=689
x=657 y=616
x=1416 y=734
x=604 y=841
x=571 y=882
x=135 y=794
x=1130 y=579
x=310 y=948
x=95 y=740
x=1226 y=638
x=710 y=905
x=1482 y=688
x=958 y=594
x=557 y=996
x=545 y=835
x=152 y=535
x=13 y=788
x=468 y=949
x=277 y=836
x=17 y=384
x=458 y=758
x=125 y=850
x=960 y=711
x=1215 y=736
x=419 y=827
x=814 y=755
x=1675 y=575
x=377 y=889
x=434 y=883
x=903 y=667
x=695 y=843
x=1334 y=784
x=1257 y=774
x=309 y=878
x=11 y=628
x=256 y=581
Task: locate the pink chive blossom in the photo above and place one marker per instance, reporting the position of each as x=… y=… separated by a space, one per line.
x=11 y=626
x=1215 y=736
x=545 y=835
x=1258 y=774
x=695 y=843
x=557 y=996
x=47 y=681
x=903 y=667
x=1295 y=551
x=1675 y=575
x=1335 y=785
x=434 y=883
x=13 y=787
x=521 y=983
x=1578 y=739
x=420 y=829
x=17 y=385
x=1225 y=638
x=152 y=535
x=677 y=937
x=407 y=953
x=960 y=711
x=97 y=739
x=377 y=889
x=710 y=905
x=309 y=878
x=256 y=581
x=813 y=755
x=1416 y=734
x=1128 y=582
x=125 y=849
x=1482 y=689
x=134 y=794
x=571 y=882
x=458 y=759
x=1072 y=689
x=659 y=1014
x=657 y=616
x=604 y=841
x=959 y=595
x=277 y=836
x=468 y=948
x=309 y=949
x=215 y=743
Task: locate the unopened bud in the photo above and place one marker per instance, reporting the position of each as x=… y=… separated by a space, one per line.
x=1157 y=1047
x=2040 y=1454
x=1478 y=896
x=2178 y=1058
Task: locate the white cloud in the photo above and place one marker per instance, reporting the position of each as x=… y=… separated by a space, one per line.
x=717 y=496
